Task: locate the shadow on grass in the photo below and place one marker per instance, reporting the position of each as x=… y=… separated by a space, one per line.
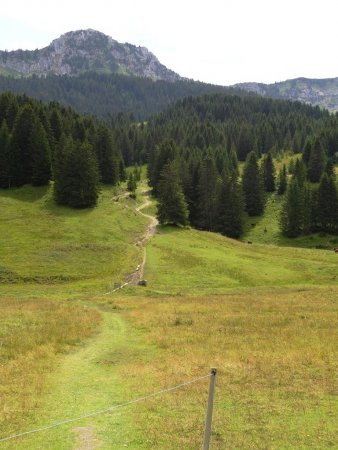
x=25 y=193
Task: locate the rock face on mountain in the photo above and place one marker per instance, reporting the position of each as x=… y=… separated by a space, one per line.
x=321 y=92
x=85 y=50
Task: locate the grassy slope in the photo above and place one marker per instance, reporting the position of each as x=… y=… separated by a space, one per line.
x=269 y=330
x=52 y=251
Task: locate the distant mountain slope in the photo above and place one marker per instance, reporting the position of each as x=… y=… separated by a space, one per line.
x=80 y=51
x=321 y=92
x=105 y=94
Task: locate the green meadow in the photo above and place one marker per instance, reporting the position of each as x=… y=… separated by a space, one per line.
x=265 y=315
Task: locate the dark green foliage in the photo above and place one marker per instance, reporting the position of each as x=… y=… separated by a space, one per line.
x=208 y=190
x=293 y=213
x=5 y=179
x=253 y=186
x=282 y=181
x=230 y=209
x=131 y=185
x=40 y=156
x=107 y=156
x=269 y=173
x=300 y=172
x=172 y=207
x=77 y=176
x=327 y=205
x=317 y=161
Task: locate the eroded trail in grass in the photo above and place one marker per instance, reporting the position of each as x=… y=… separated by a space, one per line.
x=88 y=380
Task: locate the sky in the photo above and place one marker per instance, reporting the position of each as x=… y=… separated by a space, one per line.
x=215 y=41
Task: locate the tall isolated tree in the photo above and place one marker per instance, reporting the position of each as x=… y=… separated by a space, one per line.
x=172 y=207
x=253 y=186
x=209 y=182
x=269 y=173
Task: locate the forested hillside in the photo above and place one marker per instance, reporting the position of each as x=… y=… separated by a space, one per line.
x=40 y=142
x=194 y=148
x=108 y=94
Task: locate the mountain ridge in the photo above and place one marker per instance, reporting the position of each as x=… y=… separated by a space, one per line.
x=321 y=92
x=80 y=51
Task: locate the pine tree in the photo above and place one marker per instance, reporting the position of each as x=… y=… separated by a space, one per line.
x=230 y=209
x=293 y=211
x=209 y=183
x=40 y=158
x=131 y=185
x=300 y=172
x=317 y=161
x=282 y=181
x=172 y=207
x=269 y=174
x=107 y=157
x=21 y=152
x=5 y=178
x=327 y=206
x=77 y=178
x=253 y=186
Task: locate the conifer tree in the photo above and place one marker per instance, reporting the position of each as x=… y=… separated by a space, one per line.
x=317 y=161
x=282 y=181
x=131 y=185
x=5 y=178
x=209 y=182
x=172 y=207
x=77 y=178
x=40 y=158
x=293 y=211
x=327 y=205
x=230 y=208
x=108 y=159
x=253 y=186
x=269 y=173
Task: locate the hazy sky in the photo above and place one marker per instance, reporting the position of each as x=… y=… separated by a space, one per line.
x=215 y=41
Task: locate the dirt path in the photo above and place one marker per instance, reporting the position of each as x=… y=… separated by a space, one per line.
x=134 y=277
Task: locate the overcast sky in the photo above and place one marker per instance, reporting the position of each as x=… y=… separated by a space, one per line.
x=222 y=42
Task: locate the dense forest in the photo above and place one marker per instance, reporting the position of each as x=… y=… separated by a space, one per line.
x=199 y=141
x=108 y=94
x=193 y=150
x=40 y=142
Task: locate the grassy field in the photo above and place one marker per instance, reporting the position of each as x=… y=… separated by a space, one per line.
x=264 y=315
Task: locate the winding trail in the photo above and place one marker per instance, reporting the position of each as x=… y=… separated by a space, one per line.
x=134 y=277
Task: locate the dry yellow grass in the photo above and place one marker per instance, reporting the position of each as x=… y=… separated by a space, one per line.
x=275 y=353
x=32 y=334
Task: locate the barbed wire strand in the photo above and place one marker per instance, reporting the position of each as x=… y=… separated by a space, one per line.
x=106 y=410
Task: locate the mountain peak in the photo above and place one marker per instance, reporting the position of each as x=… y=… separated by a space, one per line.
x=81 y=51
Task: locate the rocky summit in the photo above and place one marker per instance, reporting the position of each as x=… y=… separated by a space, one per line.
x=81 y=51
x=321 y=92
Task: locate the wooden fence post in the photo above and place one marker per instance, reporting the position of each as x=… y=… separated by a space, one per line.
x=208 y=420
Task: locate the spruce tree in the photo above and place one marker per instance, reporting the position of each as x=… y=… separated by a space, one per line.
x=253 y=186
x=269 y=174
x=282 y=181
x=40 y=158
x=317 y=161
x=77 y=178
x=230 y=208
x=107 y=157
x=172 y=207
x=209 y=182
x=131 y=185
x=293 y=211
x=327 y=205
x=5 y=178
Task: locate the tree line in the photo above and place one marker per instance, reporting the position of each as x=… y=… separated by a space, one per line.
x=40 y=142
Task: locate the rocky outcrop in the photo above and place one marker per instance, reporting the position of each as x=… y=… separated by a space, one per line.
x=82 y=51
x=321 y=92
